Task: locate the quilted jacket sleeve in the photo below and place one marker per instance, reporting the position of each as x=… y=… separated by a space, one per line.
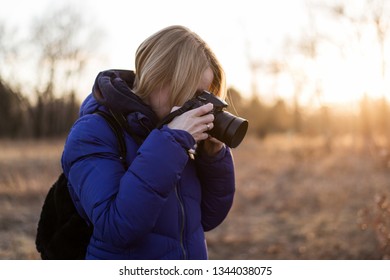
x=216 y=175
x=123 y=205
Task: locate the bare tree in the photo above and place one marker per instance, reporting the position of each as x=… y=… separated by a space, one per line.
x=13 y=106
x=254 y=66
x=61 y=41
x=371 y=21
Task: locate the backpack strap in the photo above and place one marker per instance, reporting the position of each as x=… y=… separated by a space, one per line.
x=117 y=129
x=121 y=120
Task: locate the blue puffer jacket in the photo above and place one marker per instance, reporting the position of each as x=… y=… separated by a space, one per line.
x=161 y=205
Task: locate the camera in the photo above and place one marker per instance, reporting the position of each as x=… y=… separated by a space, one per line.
x=228 y=128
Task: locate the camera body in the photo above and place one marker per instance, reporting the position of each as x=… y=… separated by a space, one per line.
x=228 y=128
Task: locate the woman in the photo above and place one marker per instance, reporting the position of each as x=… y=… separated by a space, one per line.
x=161 y=205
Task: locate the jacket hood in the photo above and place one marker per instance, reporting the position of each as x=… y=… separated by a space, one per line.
x=113 y=90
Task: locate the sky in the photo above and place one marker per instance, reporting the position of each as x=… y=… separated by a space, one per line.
x=233 y=29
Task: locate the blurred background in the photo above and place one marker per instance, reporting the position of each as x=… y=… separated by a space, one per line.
x=311 y=76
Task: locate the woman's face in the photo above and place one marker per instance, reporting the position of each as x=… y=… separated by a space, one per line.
x=207 y=79
x=159 y=100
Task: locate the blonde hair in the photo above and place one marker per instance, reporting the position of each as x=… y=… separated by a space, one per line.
x=176 y=57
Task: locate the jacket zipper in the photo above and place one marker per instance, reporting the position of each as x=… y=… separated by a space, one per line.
x=182 y=224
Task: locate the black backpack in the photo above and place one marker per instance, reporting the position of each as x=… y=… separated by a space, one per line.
x=62 y=234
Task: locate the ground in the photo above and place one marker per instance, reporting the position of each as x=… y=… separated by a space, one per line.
x=296 y=198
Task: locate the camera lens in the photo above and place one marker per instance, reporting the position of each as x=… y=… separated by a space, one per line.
x=229 y=129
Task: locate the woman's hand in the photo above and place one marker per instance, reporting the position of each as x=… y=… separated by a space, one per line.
x=196 y=122
x=212 y=146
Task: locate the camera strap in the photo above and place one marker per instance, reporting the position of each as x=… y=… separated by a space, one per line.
x=186 y=106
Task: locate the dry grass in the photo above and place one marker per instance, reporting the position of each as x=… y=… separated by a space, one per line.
x=301 y=198
x=27 y=170
x=296 y=198
x=28 y=166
